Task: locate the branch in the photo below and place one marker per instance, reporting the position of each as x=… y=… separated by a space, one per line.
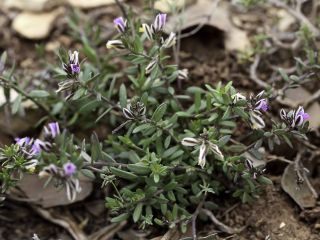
x=220 y=225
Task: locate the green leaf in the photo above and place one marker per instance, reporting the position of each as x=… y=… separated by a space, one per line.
x=159 y=112
x=284 y=75
x=95 y=147
x=122 y=217
x=139 y=168
x=137 y=212
x=90 y=106
x=123 y=96
x=141 y=127
x=226 y=113
x=88 y=173
x=16 y=104
x=123 y=174
x=39 y=94
x=78 y=94
x=222 y=141
x=156 y=178
x=264 y=180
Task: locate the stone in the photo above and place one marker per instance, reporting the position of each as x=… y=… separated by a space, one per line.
x=85 y=4
x=167 y=6
x=205 y=13
x=50 y=196
x=304 y=194
x=35 y=25
x=32 y=5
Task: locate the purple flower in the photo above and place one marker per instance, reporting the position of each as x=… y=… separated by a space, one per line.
x=23 y=141
x=69 y=168
x=53 y=131
x=262 y=104
x=159 y=22
x=120 y=24
x=300 y=117
x=300 y=112
x=75 y=68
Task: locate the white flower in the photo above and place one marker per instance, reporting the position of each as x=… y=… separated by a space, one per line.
x=237 y=97
x=205 y=147
x=183 y=74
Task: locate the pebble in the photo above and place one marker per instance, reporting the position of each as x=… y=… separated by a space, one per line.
x=32 y=5
x=85 y=4
x=35 y=25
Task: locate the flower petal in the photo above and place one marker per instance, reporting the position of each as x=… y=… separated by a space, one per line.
x=202 y=155
x=215 y=149
x=190 y=142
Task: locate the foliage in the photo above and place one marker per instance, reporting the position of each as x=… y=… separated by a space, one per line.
x=161 y=132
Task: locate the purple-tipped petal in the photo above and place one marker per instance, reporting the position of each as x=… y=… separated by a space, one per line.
x=300 y=112
x=23 y=141
x=305 y=116
x=159 y=22
x=120 y=24
x=54 y=129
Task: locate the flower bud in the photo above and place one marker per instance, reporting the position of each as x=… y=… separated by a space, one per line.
x=183 y=74
x=151 y=66
x=116 y=44
x=148 y=31
x=120 y=24
x=170 y=41
x=159 y=22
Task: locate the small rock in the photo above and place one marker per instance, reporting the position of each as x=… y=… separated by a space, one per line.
x=286 y=20
x=167 y=6
x=32 y=5
x=303 y=195
x=52 y=46
x=85 y=4
x=219 y=17
x=50 y=196
x=282 y=225
x=35 y=25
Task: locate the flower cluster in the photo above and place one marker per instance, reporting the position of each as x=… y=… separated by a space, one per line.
x=294 y=118
x=255 y=172
x=153 y=32
x=256 y=106
x=33 y=147
x=72 y=69
x=64 y=176
x=135 y=111
x=204 y=147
